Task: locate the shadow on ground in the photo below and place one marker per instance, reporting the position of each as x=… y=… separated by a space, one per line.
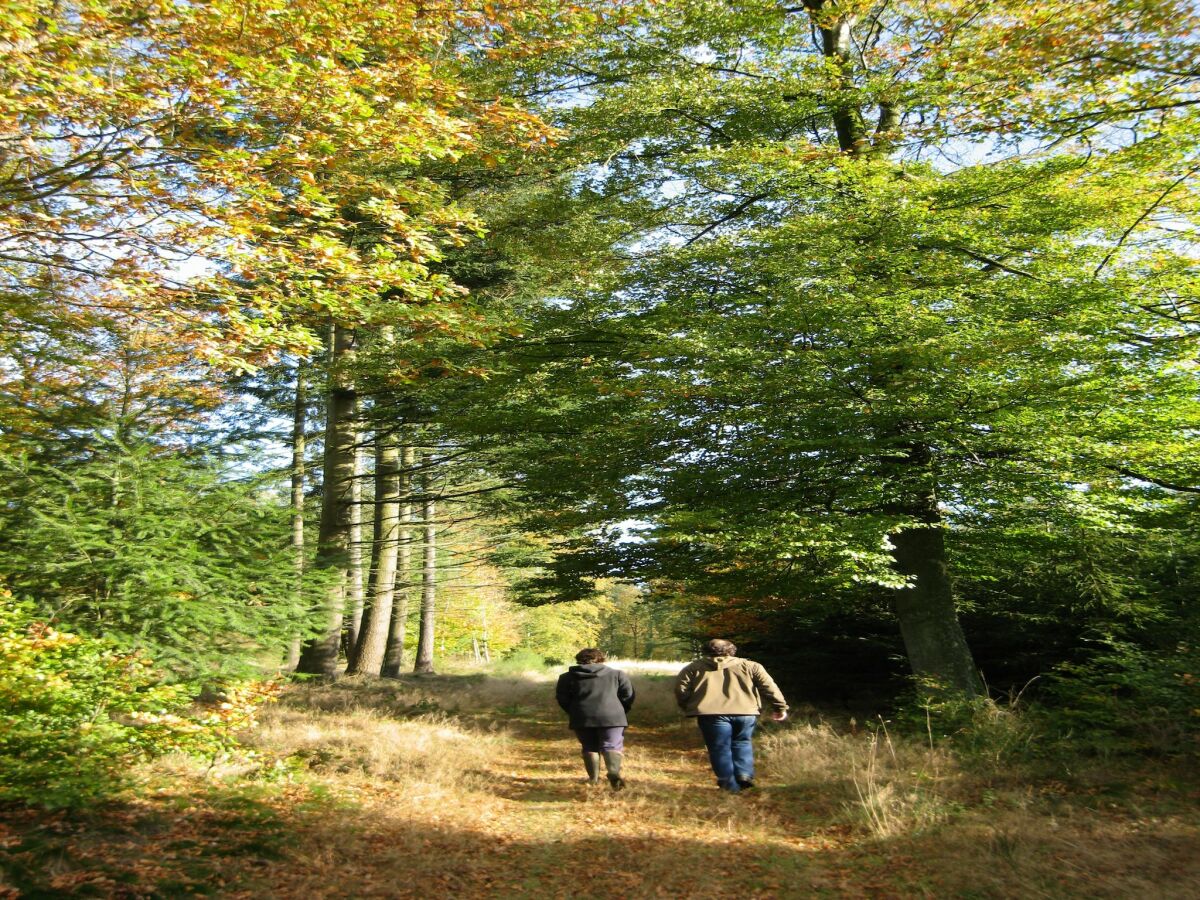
x=522 y=824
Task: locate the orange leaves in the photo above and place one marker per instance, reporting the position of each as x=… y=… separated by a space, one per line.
x=234 y=133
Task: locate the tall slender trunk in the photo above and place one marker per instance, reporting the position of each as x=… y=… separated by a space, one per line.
x=299 y=415
x=483 y=624
x=933 y=637
x=393 y=658
x=355 y=592
x=424 y=662
x=320 y=655
x=368 y=653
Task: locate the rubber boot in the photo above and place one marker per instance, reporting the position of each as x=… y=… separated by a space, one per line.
x=591 y=762
x=612 y=761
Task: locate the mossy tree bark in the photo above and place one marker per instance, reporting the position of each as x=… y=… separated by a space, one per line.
x=355 y=591
x=933 y=637
x=299 y=421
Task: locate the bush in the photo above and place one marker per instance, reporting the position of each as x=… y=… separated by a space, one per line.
x=985 y=731
x=76 y=713
x=517 y=661
x=183 y=562
x=1129 y=699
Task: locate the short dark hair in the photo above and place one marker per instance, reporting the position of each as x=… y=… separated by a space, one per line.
x=719 y=647
x=590 y=655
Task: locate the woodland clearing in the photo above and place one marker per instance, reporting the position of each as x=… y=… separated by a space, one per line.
x=470 y=786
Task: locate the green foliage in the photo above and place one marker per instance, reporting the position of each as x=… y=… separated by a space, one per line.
x=1123 y=699
x=285 y=186
x=519 y=660
x=76 y=713
x=637 y=625
x=976 y=311
x=1131 y=699
x=560 y=630
x=158 y=552
x=991 y=734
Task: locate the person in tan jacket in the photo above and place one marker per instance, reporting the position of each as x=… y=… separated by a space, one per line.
x=725 y=694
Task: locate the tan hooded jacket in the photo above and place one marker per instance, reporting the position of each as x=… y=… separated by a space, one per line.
x=726 y=686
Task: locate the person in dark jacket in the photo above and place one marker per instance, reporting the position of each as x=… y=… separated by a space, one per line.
x=597 y=698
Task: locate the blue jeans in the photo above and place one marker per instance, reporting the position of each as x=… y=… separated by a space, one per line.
x=729 y=748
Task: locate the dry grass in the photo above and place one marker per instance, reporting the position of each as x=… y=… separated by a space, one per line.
x=425 y=737
x=471 y=786
x=415 y=694
x=987 y=826
x=429 y=749
x=889 y=787
x=1086 y=853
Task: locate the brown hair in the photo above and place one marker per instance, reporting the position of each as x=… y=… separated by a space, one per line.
x=590 y=655
x=719 y=647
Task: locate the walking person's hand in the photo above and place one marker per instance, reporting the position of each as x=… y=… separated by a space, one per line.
x=779 y=715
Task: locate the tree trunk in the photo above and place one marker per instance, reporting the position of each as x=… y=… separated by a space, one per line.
x=483 y=625
x=320 y=655
x=355 y=593
x=299 y=415
x=424 y=662
x=933 y=638
x=393 y=658
x=836 y=46
x=372 y=642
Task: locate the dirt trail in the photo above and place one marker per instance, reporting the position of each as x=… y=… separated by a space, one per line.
x=670 y=833
x=534 y=828
x=529 y=826
x=471 y=787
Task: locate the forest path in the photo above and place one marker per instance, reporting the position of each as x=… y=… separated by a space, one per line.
x=669 y=833
x=471 y=786
x=528 y=825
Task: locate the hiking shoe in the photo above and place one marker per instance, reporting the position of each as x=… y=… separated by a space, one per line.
x=617 y=782
x=745 y=784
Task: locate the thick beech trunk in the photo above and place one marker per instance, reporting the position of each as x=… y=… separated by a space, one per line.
x=424 y=662
x=320 y=655
x=299 y=415
x=372 y=642
x=933 y=637
x=393 y=658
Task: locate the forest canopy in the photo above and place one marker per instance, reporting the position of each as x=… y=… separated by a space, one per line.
x=363 y=338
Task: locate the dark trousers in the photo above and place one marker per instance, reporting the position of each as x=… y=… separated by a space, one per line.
x=597 y=740
x=729 y=748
